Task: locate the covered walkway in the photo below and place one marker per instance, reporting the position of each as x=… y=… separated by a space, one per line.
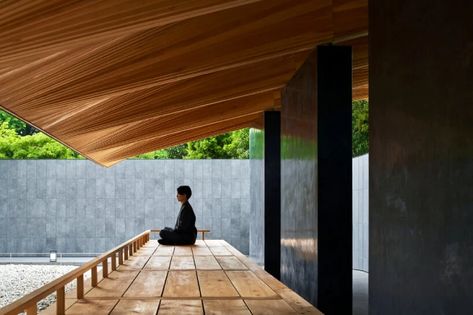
x=210 y=277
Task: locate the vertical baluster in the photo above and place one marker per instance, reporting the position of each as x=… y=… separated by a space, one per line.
x=32 y=310
x=120 y=256
x=114 y=261
x=61 y=301
x=94 y=276
x=105 y=268
x=80 y=287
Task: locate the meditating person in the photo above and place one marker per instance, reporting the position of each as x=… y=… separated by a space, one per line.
x=184 y=232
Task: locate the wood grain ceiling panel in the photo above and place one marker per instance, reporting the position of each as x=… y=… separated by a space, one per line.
x=177 y=97
x=181 y=51
x=350 y=18
x=183 y=121
x=111 y=79
x=28 y=27
x=112 y=156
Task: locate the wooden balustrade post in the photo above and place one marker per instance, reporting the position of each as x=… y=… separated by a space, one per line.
x=120 y=256
x=32 y=310
x=94 y=276
x=80 y=287
x=125 y=251
x=61 y=301
x=105 y=268
x=130 y=249
x=114 y=261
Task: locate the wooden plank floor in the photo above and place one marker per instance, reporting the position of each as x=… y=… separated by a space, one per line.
x=210 y=277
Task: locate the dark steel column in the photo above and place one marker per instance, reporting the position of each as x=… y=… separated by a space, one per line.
x=334 y=97
x=272 y=193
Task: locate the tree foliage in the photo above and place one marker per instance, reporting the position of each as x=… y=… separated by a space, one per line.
x=232 y=145
x=36 y=146
x=177 y=152
x=360 y=141
x=19 y=126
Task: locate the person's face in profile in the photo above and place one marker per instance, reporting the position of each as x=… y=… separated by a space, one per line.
x=181 y=198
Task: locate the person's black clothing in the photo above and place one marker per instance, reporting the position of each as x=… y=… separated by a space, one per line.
x=184 y=232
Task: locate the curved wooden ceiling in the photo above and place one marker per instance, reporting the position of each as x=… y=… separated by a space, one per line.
x=113 y=79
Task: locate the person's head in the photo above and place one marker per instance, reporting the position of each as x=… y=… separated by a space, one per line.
x=183 y=193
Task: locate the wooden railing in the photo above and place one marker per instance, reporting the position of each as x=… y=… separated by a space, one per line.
x=122 y=251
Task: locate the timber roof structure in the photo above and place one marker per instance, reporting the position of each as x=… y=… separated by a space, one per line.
x=113 y=79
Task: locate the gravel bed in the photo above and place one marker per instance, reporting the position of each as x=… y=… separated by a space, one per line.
x=18 y=280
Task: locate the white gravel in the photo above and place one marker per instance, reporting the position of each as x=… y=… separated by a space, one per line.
x=18 y=280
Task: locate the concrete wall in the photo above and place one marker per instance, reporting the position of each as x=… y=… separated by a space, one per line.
x=360 y=212
x=256 y=249
x=78 y=206
x=421 y=157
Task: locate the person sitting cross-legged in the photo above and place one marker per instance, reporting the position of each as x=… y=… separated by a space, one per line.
x=184 y=232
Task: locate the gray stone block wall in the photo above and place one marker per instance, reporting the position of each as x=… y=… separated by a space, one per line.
x=360 y=212
x=76 y=206
x=256 y=249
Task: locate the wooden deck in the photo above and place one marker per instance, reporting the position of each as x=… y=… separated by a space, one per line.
x=210 y=277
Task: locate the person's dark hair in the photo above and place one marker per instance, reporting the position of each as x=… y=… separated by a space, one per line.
x=184 y=190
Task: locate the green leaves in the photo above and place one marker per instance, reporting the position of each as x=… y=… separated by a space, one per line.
x=19 y=126
x=232 y=145
x=36 y=146
x=360 y=141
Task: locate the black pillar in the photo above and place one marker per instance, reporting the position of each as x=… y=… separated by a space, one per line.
x=272 y=193
x=334 y=88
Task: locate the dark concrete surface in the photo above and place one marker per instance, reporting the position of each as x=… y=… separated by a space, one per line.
x=272 y=193
x=316 y=181
x=421 y=157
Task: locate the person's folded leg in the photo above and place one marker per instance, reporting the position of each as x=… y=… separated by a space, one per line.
x=174 y=238
x=164 y=242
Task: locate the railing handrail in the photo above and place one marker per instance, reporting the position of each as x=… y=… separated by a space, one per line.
x=32 y=298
